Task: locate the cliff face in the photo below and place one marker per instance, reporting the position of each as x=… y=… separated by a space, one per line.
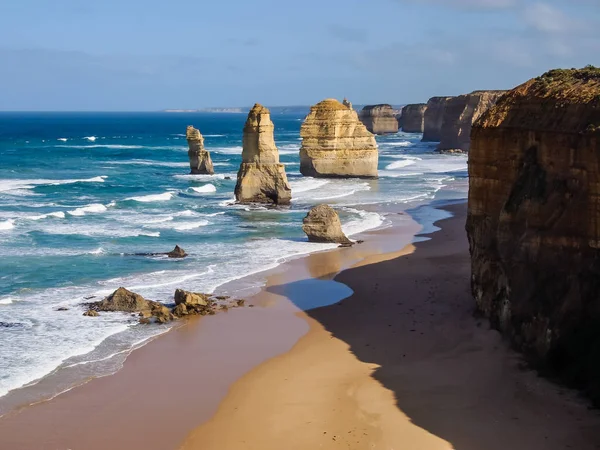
x=413 y=118
x=460 y=114
x=336 y=144
x=261 y=178
x=379 y=119
x=534 y=221
x=433 y=118
x=200 y=162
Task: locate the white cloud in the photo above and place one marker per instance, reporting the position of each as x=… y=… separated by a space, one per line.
x=548 y=19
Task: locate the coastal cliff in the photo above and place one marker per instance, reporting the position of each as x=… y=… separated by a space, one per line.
x=335 y=143
x=413 y=118
x=200 y=162
x=261 y=178
x=433 y=119
x=459 y=115
x=534 y=222
x=379 y=119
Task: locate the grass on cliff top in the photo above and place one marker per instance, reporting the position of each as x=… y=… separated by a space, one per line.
x=588 y=73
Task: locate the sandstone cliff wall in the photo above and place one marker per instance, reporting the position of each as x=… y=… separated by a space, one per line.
x=261 y=178
x=379 y=119
x=413 y=118
x=433 y=119
x=534 y=222
x=460 y=114
x=335 y=143
x=200 y=161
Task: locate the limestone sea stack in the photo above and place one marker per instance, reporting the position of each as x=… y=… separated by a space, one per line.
x=413 y=118
x=534 y=221
x=433 y=119
x=459 y=115
x=261 y=178
x=379 y=119
x=200 y=162
x=335 y=143
x=322 y=224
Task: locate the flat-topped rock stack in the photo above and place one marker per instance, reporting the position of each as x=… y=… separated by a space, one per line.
x=534 y=222
x=200 y=162
x=460 y=114
x=261 y=178
x=335 y=143
x=379 y=119
x=434 y=118
x=413 y=118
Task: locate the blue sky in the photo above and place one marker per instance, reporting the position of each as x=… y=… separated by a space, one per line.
x=150 y=55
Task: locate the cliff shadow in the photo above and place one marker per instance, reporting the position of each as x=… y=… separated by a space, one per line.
x=452 y=375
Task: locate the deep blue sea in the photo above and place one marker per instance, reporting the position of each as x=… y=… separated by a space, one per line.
x=81 y=192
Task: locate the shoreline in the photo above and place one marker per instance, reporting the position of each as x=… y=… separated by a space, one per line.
x=272 y=317
x=401 y=363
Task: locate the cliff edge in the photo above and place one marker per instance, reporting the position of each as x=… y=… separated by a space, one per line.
x=534 y=222
x=379 y=119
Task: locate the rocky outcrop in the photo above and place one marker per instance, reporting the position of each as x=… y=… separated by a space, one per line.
x=177 y=252
x=534 y=221
x=322 y=224
x=200 y=162
x=459 y=115
x=335 y=143
x=379 y=119
x=261 y=178
x=413 y=118
x=433 y=119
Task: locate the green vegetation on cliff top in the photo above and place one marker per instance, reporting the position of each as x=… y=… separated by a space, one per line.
x=588 y=73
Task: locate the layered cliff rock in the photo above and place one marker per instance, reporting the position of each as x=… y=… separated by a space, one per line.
x=335 y=143
x=261 y=178
x=200 y=162
x=433 y=119
x=379 y=119
x=534 y=221
x=413 y=118
x=459 y=115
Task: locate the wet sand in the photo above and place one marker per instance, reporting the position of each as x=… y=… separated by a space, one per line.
x=401 y=364
x=176 y=382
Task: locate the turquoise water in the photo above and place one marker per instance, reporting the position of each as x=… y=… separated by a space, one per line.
x=81 y=192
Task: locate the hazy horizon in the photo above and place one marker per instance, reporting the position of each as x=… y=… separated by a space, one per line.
x=150 y=56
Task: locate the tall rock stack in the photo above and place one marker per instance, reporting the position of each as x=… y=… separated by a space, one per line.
x=534 y=221
x=413 y=118
x=261 y=178
x=460 y=114
x=379 y=119
x=200 y=162
x=433 y=119
x=336 y=144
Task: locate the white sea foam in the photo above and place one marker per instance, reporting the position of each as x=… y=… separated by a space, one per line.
x=212 y=135
x=306 y=184
x=57 y=214
x=400 y=164
x=111 y=146
x=289 y=149
x=146 y=162
x=98 y=251
x=6 y=300
x=365 y=221
x=217 y=176
x=62 y=139
x=91 y=138
x=236 y=150
x=153 y=197
x=93 y=208
x=7 y=225
x=207 y=188
x=397 y=144
x=17 y=184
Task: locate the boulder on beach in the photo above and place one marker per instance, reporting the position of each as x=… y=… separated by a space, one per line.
x=190 y=303
x=335 y=143
x=322 y=224
x=261 y=178
x=200 y=161
x=123 y=300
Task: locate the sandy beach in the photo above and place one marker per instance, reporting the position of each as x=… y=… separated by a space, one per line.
x=400 y=362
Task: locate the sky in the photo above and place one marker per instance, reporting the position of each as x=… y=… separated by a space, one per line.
x=139 y=55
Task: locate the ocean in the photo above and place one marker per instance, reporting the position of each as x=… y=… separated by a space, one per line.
x=81 y=193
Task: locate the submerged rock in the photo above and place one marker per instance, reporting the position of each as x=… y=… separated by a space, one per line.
x=91 y=313
x=177 y=252
x=434 y=118
x=261 y=178
x=379 y=119
x=335 y=143
x=413 y=118
x=200 y=162
x=533 y=222
x=322 y=224
x=459 y=115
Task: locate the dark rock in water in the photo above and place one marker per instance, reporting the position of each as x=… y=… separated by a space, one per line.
x=91 y=313
x=533 y=222
x=227 y=178
x=177 y=252
x=145 y=321
x=62 y=308
x=322 y=224
x=11 y=325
